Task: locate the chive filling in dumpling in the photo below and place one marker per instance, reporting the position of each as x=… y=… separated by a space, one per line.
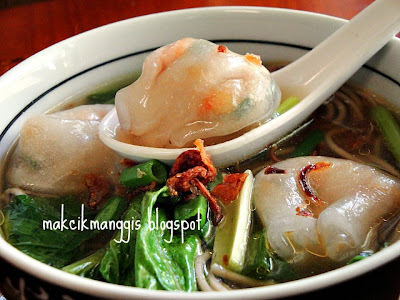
x=195 y=89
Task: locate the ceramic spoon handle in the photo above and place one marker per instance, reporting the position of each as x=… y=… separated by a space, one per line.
x=332 y=62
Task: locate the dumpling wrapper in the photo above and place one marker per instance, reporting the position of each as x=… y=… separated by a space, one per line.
x=194 y=89
x=357 y=198
x=55 y=151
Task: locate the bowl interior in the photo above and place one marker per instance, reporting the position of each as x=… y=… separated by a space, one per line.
x=73 y=68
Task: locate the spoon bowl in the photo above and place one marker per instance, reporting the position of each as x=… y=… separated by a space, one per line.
x=312 y=78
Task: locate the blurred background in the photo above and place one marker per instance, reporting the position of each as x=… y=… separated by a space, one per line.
x=26 y=27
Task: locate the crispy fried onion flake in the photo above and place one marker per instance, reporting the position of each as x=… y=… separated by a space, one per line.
x=98 y=187
x=229 y=189
x=193 y=170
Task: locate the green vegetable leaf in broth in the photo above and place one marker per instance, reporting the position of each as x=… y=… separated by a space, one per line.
x=262 y=264
x=23 y=227
x=112 y=210
x=118 y=263
x=158 y=264
x=87 y=267
x=184 y=254
x=191 y=209
x=360 y=256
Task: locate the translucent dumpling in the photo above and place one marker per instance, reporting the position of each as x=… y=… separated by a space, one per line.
x=323 y=209
x=55 y=151
x=195 y=89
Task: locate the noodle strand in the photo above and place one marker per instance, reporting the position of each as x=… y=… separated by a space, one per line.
x=199 y=265
x=224 y=273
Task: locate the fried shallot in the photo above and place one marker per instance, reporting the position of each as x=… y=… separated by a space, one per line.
x=194 y=168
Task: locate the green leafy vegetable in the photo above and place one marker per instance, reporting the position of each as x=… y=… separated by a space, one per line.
x=25 y=227
x=191 y=209
x=360 y=256
x=111 y=210
x=158 y=264
x=262 y=264
x=183 y=255
x=88 y=266
x=118 y=263
x=208 y=231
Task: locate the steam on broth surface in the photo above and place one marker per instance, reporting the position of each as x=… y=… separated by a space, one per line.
x=288 y=232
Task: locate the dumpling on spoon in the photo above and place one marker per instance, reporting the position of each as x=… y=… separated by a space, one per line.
x=193 y=89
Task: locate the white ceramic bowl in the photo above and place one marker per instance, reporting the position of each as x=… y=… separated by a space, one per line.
x=69 y=68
